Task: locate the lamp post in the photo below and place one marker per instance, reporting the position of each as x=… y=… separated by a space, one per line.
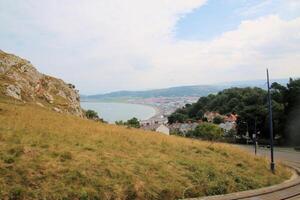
x=271 y=125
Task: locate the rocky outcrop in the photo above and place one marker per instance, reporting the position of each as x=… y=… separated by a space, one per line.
x=13 y=91
x=20 y=80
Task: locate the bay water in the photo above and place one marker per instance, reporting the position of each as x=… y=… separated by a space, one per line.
x=112 y=112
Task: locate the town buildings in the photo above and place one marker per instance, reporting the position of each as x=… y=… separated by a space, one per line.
x=157 y=127
x=228 y=123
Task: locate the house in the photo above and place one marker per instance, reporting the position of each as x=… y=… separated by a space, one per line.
x=186 y=127
x=161 y=128
x=230 y=118
x=211 y=115
x=227 y=126
x=229 y=123
x=183 y=128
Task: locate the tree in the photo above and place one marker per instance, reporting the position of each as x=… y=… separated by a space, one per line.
x=208 y=131
x=251 y=106
x=293 y=94
x=218 y=120
x=249 y=103
x=200 y=114
x=134 y=122
x=290 y=121
x=120 y=123
x=177 y=117
x=91 y=114
x=286 y=110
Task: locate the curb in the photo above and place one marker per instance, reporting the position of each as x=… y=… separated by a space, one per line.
x=293 y=181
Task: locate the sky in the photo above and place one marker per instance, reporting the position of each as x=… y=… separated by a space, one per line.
x=109 y=45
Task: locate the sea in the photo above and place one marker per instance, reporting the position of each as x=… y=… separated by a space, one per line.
x=111 y=111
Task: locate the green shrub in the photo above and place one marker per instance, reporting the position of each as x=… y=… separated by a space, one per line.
x=91 y=114
x=218 y=120
x=133 y=122
x=9 y=160
x=177 y=117
x=217 y=188
x=208 y=131
x=16 y=193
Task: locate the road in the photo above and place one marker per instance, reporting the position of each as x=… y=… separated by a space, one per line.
x=288 y=156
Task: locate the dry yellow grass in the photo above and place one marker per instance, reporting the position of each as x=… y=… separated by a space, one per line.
x=46 y=155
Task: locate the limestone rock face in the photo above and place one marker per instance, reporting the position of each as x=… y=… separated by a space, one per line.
x=13 y=91
x=20 y=80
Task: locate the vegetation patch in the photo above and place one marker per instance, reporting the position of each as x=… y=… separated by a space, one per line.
x=46 y=155
x=251 y=107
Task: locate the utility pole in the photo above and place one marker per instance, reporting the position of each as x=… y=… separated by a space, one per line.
x=271 y=125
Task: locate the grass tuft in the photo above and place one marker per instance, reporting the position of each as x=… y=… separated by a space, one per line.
x=65 y=156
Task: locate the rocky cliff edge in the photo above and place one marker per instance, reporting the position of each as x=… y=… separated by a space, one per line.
x=20 y=80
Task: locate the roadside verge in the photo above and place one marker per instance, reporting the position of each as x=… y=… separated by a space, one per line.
x=257 y=193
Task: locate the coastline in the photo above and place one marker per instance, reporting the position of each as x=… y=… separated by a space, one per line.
x=157 y=110
x=158 y=114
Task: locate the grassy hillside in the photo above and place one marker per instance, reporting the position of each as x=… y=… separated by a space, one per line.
x=47 y=155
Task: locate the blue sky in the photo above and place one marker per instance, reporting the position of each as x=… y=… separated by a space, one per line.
x=209 y=21
x=103 y=46
x=218 y=16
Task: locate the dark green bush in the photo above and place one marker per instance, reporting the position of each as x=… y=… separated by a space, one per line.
x=218 y=120
x=91 y=114
x=208 y=131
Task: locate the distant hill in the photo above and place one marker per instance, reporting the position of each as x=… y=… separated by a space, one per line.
x=253 y=83
x=180 y=91
x=196 y=90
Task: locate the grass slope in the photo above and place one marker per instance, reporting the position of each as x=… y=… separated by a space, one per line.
x=46 y=155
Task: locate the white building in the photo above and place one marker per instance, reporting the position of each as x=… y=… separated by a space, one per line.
x=163 y=129
x=227 y=126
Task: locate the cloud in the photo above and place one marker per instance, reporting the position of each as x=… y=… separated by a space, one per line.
x=284 y=8
x=241 y=54
x=109 y=45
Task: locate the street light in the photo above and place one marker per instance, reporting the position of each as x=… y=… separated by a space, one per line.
x=271 y=124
